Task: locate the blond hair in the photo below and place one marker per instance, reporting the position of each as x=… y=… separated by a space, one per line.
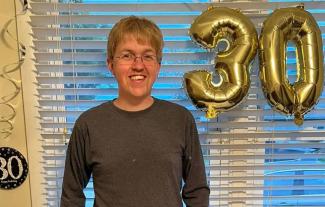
x=142 y=29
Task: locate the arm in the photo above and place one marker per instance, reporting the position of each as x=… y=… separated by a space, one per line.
x=195 y=191
x=77 y=171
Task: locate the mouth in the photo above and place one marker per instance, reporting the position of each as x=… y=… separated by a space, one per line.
x=137 y=77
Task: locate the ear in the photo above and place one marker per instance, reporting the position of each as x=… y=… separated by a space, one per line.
x=158 y=69
x=109 y=63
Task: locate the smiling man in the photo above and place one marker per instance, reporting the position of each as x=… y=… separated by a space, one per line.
x=135 y=67
x=141 y=151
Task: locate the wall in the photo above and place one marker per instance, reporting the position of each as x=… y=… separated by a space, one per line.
x=20 y=196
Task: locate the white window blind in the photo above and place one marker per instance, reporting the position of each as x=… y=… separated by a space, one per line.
x=254 y=156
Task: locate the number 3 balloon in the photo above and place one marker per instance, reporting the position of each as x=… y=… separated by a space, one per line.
x=297 y=25
x=213 y=25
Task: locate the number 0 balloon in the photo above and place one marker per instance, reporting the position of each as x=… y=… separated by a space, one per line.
x=213 y=25
x=297 y=25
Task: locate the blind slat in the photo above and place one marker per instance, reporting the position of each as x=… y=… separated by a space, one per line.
x=39 y=20
x=43 y=33
x=40 y=7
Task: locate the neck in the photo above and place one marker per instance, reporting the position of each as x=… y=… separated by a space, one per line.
x=133 y=104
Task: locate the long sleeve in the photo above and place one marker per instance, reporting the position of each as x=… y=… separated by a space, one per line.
x=195 y=191
x=77 y=171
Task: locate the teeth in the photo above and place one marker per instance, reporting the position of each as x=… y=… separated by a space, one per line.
x=137 y=77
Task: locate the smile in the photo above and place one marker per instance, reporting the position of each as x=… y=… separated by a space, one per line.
x=137 y=77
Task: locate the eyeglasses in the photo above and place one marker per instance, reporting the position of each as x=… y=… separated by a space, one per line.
x=130 y=58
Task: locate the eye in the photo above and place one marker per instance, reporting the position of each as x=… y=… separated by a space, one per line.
x=148 y=57
x=127 y=56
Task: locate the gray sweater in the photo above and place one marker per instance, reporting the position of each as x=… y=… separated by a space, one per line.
x=149 y=158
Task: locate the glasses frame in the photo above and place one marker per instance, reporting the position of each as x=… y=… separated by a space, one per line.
x=134 y=58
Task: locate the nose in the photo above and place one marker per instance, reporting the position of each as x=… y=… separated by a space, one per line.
x=136 y=57
x=138 y=64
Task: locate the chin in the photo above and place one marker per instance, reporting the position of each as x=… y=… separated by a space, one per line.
x=141 y=96
x=140 y=93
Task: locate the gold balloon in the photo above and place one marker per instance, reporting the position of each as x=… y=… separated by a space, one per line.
x=298 y=26
x=207 y=30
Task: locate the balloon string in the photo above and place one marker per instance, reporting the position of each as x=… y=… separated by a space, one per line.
x=7 y=119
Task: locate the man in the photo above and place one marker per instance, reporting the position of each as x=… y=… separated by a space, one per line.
x=141 y=151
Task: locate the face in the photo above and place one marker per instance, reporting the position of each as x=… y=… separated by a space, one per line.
x=134 y=79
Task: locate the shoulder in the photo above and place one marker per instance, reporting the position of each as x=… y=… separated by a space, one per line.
x=94 y=114
x=174 y=109
x=171 y=106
